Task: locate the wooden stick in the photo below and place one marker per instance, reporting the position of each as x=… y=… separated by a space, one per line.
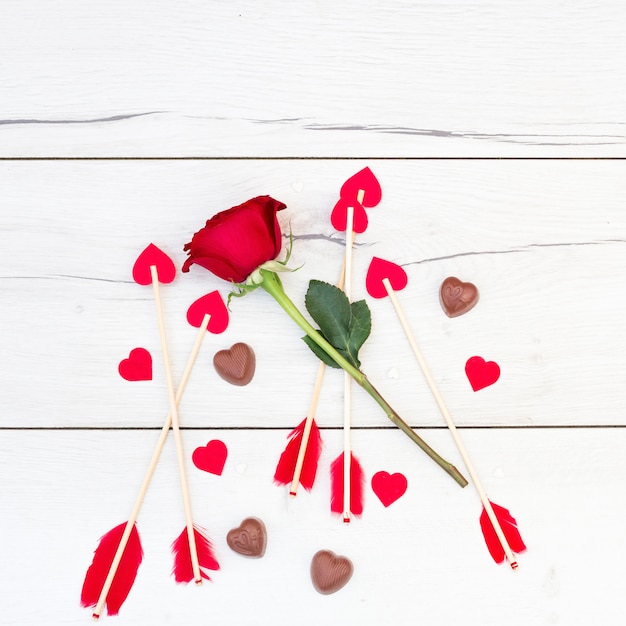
x=307 y=430
x=312 y=409
x=150 y=471
x=451 y=426
x=176 y=428
x=347 y=379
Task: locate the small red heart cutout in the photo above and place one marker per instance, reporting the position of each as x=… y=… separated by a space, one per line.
x=481 y=373
x=213 y=305
x=339 y=216
x=389 y=487
x=138 y=365
x=211 y=458
x=380 y=269
x=166 y=270
x=366 y=182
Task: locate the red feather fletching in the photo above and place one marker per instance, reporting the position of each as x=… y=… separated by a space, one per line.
x=509 y=528
x=287 y=462
x=357 y=485
x=183 y=570
x=101 y=564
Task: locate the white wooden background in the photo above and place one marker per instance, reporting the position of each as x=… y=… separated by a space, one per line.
x=497 y=132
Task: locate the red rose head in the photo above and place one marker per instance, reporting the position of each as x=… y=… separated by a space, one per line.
x=236 y=241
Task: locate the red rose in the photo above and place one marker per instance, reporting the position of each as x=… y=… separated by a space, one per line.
x=236 y=241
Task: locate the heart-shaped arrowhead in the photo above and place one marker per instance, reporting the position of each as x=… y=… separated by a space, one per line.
x=365 y=182
x=138 y=365
x=166 y=270
x=210 y=304
x=380 y=269
x=211 y=458
x=481 y=373
x=339 y=216
x=330 y=572
x=389 y=487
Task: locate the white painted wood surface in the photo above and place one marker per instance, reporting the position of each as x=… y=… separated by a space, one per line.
x=328 y=78
x=197 y=96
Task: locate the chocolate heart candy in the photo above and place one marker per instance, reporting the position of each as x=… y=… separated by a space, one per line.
x=249 y=538
x=330 y=572
x=457 y=297
x=236 y=365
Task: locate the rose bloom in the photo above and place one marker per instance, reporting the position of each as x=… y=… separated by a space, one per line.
x=236 y=241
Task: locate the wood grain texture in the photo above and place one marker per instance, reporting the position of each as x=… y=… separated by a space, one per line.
x=166 y=113
x=410 y=559
x=392 y=78
x=543 y=241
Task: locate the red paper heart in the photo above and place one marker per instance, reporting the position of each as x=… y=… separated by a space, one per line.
x=389 y=487
x=166 y=270
x=481 y=373
x=339 y=216
x=379 y=269
x=138 y=365
x=211 y=458
x=213 y=305
x=362 y=181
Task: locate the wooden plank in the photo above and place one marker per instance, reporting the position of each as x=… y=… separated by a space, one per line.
x=376 y=79
x=543 y=241
x=422 y=558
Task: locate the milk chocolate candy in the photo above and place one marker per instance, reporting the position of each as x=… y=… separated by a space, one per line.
x=330 y=572
x=249 y=538
x=457 y=297
x=236 y=365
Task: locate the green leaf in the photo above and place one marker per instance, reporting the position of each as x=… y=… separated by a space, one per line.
x=319 y=353
x=330 y=308
x=360 y=327
x=345 y=326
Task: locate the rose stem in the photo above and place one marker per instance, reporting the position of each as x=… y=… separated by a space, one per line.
x=306 y=433
x=150 y=471
x=176 y=428
x=272 y=284
x=450 y=423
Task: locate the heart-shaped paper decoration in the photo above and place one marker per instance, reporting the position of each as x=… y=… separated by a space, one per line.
x=389 y=487
x=380 y=269
x=339 y=216
x=211 y=458
x=236 y=365
x=457 y=297
x=138 y=365
x=249 y=538
x=362 y=181
x=481 y=373
x=166 y=270
x=330 y=572
x=213 y=305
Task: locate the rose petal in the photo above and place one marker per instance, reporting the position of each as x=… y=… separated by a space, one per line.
x=235 y=242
